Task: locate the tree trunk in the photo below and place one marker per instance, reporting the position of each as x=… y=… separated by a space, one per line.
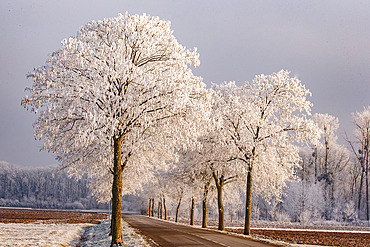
x=367 y=193
x=360 y=192
x=366 y=148
x=221 y=216
x=117 y=194
x=315 y=163
x=332 y=199
x=110 y=213
x=326 y=180
x=192 y=211
x=205 y=209
x=177 y=211
x=159 y=209
x=165 y=208
x=152 y=207
x=248 y=205
x=205 y=212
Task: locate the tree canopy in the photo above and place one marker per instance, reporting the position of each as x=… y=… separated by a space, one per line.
x=100 y=95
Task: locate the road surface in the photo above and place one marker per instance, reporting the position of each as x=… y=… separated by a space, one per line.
x=168 y=234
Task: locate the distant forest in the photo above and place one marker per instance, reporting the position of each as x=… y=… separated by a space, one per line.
x=43 y=188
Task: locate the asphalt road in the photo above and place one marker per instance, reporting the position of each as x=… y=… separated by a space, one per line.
x=168 y=234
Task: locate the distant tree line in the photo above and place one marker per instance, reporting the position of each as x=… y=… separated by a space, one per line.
x=43 y=188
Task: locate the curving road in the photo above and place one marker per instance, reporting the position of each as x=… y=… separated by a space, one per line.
x=168 y=234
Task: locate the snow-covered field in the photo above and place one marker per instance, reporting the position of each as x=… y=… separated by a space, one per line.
x=34 y=234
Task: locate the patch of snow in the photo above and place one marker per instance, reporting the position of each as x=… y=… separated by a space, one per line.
x=34 y=234
x=46 y=235
x=98 y=235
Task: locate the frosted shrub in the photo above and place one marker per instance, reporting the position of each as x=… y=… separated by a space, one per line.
x=337 y=214
x=256 y=214
x=74 y=205
x=304 y=197
x=305 y=217
x=282 y=216
x=317 y=218
x=350 y=212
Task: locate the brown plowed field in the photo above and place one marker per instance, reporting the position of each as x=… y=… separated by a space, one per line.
x=345 y=239
x=11 y=215
x=323 y=238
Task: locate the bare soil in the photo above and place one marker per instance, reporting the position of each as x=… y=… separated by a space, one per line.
x=346 y=239
x=329 y=238
x=13 y=215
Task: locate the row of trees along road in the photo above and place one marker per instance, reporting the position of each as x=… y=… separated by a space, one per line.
x=119 y=103
x=328 y=181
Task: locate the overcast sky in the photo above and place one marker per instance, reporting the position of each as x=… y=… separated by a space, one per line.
x=324 y=43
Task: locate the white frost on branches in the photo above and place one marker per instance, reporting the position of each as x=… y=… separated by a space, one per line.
x=264 y=120
x=121 y=76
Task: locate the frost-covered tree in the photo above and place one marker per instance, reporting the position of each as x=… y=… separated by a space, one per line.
x=181 y=182
x=193 y=171
x=304 y=199
x=329 y=125
x=361 y=150
x=330 y=159
x=102 y=93
x=187 y=168
x=216 y=161
x=179 y=190
x=223 y=173
x=264 y=119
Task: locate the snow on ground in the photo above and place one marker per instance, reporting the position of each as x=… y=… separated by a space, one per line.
x=98 y=235
x=45 y=235
x=34 y=234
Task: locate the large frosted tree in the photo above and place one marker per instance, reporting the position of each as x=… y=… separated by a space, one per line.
x=102 y=93
x=264 y=119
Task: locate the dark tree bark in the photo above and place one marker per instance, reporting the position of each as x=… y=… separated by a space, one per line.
x=205 y=212
x=177 y=210
x=219 y=181
x=152 y=207
x=248 y=205
x=315 y=163
x=221 y=212
x=360 y=192
x=117 y=194
x=165 y=208
x=367 y=192
x=192 y=211
x=159 y=209
x=204 y=204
